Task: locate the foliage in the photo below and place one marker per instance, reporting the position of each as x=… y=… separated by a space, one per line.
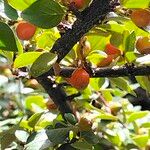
x=28 y=117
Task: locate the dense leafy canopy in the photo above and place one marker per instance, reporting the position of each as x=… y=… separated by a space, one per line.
x=109 y=112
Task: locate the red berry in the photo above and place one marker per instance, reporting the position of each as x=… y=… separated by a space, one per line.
x=25 y=30
x=79 y=79
x=79 y=3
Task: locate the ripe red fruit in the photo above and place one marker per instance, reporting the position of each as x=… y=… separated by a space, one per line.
x=25 y=30
x=143 y=45
x=79 y=79
x=111 y=50
x=141 y=17
x=79 y=3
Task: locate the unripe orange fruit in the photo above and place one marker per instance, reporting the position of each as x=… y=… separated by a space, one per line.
x=25 y=30
x=143 y=45
x=141 y=17
x=79 y=79
x=112 y=50
x=84 y=124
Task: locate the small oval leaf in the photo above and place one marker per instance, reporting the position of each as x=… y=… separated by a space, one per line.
x=20 y=4
x=23 y=59
x=44 y=13
x=42 y=64
x=10 y=11
x=7 y=38
x=34 y=119
x=137 y=115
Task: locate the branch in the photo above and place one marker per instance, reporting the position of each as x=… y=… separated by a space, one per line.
x=112 y=72
x=89 y=17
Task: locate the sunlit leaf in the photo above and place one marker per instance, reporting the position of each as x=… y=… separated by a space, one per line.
x=20 y=4
x=42 y=64
x=44 y=13
x=26 y=59
x=137 y=115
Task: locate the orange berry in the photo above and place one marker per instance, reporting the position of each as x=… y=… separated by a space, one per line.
x=25 y=30
x=79 y=4
x=141 y=17
x=143 y=45
x=111 y=50
x=79 y=79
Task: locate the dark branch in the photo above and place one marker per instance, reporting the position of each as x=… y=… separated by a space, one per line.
x=90 y=17
x=110 y=72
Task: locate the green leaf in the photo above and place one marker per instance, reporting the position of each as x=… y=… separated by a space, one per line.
x=23 y=59
x=135 y=3
x=82 y=145
x=7 y=38
x=122 y=84
x=70 y=118
x=137 y=115
x=141 y=140
x=130 y=56
x=44 y=13
x=96 y=56
x=42 y=64
x=58 y=136
x=20 y=4
x=10 y=11
x=34 y=100
x=144 y=82
x=130 y=42
x=90 y=137
x=32 y=121
x=96 y=83
x=115 y=139
x=107 y=116
x=47 y=38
